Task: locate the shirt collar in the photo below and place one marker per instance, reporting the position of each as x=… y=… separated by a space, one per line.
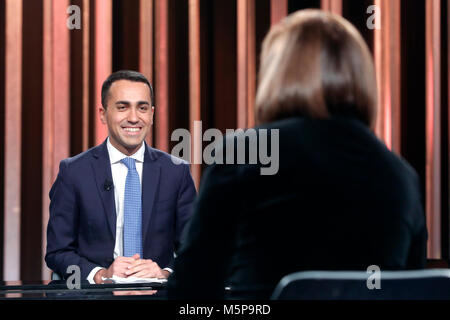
x=115 y=155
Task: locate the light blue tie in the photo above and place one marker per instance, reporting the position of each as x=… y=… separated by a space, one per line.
x=132 y=227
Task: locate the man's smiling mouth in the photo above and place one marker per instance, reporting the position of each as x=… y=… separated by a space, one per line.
x=132 y=130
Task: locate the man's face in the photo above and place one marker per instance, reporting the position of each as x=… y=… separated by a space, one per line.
x=129 y=115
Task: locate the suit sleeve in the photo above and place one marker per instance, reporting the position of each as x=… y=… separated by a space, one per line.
x=418 y=251
x=201 y=267
x=185 y=199
x=62 y=229
x=417 y=257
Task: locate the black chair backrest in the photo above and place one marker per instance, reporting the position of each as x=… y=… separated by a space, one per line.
x=356 y=285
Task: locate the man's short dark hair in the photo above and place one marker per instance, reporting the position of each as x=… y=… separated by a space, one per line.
x=124 y=75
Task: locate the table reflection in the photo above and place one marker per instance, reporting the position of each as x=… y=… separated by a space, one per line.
x=58 y=289
x=135 y=293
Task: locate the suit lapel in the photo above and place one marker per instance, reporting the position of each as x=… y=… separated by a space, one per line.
x=103 y=178
x=150 y=182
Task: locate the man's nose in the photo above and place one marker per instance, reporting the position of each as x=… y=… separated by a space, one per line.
x=133 y=116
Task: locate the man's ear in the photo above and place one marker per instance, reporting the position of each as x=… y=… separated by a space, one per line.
x=151 y=116
x=102 y=113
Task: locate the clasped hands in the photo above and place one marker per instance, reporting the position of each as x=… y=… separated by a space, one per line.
x=132 y=267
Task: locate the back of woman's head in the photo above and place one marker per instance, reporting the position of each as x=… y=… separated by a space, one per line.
x=315 y=64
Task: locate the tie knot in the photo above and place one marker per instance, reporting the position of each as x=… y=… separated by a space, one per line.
x=129 y=162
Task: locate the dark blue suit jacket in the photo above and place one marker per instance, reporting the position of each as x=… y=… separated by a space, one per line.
x=82 y=226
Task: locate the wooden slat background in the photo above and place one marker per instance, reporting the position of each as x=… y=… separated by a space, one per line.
x=433 y=128
x=12 y=138
x=56 y=101
x=202 y=58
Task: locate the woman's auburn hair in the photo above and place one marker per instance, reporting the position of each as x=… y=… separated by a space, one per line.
x=315 y=64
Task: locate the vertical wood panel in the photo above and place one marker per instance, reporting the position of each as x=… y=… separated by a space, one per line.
x=61 y=85
x=103 y=58
x=125 y=34
x=251 y=63
x=387 y=49
x=448 y=116
x=56 y=140
x=356 y=13
x=48 y=125
x=146 y=46
x=178 y=67
x=242 y=60
x=32 y=140
x=195 y=89
x=161 y=122
x=76 y=84
x=433 y=139
x=262 y=27
x=335 y=6
x=86 y=76
x=246 y=63
x=13 y=143
x=445 y=195
x=278 y=10
x=413 y=88
x=80 y=79
x=224 y=55
x=2 y=127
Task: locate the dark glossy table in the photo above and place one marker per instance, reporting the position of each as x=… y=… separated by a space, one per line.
x=59 y=290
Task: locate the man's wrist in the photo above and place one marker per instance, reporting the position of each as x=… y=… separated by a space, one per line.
x=99 y=275
x=165 y=273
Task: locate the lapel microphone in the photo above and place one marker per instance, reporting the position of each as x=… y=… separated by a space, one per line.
x=108 y=185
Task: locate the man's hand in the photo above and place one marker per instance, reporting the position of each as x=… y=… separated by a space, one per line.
x=118 y=268
x=146 y=268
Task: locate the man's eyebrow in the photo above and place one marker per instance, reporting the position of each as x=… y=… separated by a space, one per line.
x=128 y=102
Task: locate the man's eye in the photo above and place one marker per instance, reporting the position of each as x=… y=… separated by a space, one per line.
x=143 y=108
x=120 y=107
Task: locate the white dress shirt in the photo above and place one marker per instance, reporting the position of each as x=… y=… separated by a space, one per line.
x=119 y=175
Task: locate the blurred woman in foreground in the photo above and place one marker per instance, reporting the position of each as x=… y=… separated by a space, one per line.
x=340 y=200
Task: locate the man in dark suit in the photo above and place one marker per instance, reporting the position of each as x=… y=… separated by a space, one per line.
x=120 y=207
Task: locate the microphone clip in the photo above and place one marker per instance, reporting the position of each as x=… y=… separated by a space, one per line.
x=108 y=185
